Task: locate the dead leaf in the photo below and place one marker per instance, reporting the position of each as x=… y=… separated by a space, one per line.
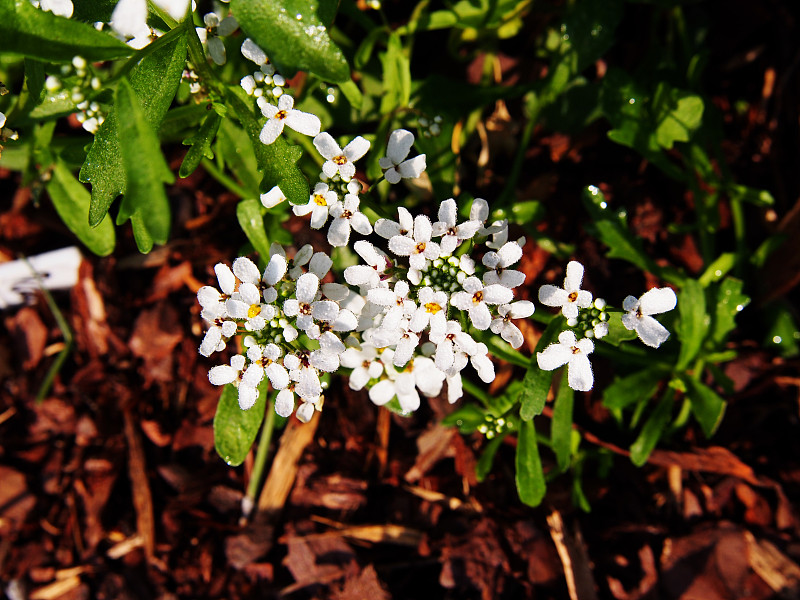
x=29 y=334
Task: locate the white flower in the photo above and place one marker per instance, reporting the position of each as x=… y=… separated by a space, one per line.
x=396 y=302
x=326 y=358
x=208 y=296
x=448 y=340
x=308 y=386
x=209 y=34
x=219 y=332
x=370 y=275
x=319 y=205
x=365 y=363
x=573 y=353
x=273 y=197
x=400 y=142
x=431 y=310
x=420 y=248
x=264 y=361
x=476 y=296
x=346 y=215
x=305 y=411
x=572 y=297
x=224 y=374
x=338 y=160
x=422 y=375
x=386 y=228
x=652 y=302
x=246 y=304
x=285 y=114
x=451 y=233
x=305 y=308
x=399 y=336
x=522 y=309
x=129 y=18
x=499 y=262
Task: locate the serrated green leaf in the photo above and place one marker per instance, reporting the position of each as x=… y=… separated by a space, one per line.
x=484 y=466
x=293 y=35
x=145 y=168
x=278 y=160
x=531 y=485
x=651 y=430
x=154 y=80
x=707 y=406
x=561 y=428
x=693 y=325
x=537 y=381
x=635 y=388
x=235 y=429
x=251 y=220
x=200 y=144
x=730 y=302
x=28 y=31
x=71 y=201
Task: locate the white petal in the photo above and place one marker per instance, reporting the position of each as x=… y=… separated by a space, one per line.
x=400 y=142
x=579 y=373
x=327 y=147
x=271 y=130
x=211 y=341
x=247 y=397
x=572 y=282
x=320 y=264
x=222 y=374
x=276 y=269
x=480 y=316
x=278 y=376
x=217 y=50
x=550 y=295
x=273 y=197
x=382 y=392
x=307 y=286
x=360 y=223
x=305 y=412
x=227 y=26
x=497 y=294
x=302 y=122
x=129 y=17
x=392 y=176
x=444 y=356
x=658 y=300
x=246 y=270
x=284 y=403
x=412 y=168
x=356 y=149
x=402 y=245
x=324 y=310
x=553 y=357
x=479 y=210
x=651 y=332
x=448 y=212
x=422 y=228
x=251 y=51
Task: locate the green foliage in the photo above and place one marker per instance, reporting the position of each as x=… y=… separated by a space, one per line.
x=235 y=429
x=294 y=36
x=537 y=381
x=652 y=429
x=531 y=485
x=28 y=31
x=200 y=144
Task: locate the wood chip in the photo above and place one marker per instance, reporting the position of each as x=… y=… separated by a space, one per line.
x=574 y=558
x=142 y=498
x=777 y=570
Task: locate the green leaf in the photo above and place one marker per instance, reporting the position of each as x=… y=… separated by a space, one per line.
x=531 y=486
x=694 y=321
x=718 y=269
x=617 y=332
x=707 y=406
x=677 y=114
x=236 y=150
x=251 y=220
x=561 y=432
x=396 y=76
x=34 y=93
x=782 y=332
x=484 y=466
x=200 y=144
x=293 y=35
x=28 y=31
x=154 y=80
x=651 y=431
x=730 y=302
x=637 y=387
x=72 y=200
x=537 y=381
x=94 y=11
x=235 y=429
x=278 y=160
x=146 y=171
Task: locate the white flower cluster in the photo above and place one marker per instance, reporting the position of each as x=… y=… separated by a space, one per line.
x=571 y=299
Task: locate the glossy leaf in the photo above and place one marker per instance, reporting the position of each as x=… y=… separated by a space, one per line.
x=251 y=219
x=707 y=406
x=694 y=321
x=537 y=381
x=235 y=429
x=637 y=387
x=71 y=200
x=561 y=432
x=293 y=35
x=200 y=144
x=730 y=302
x=28 y=31
x=531 y=485
x=154 y=79
x=146 y=172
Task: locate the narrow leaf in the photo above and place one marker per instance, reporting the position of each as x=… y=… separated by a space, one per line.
x=154 y=80
x=730 y=302
x=484 y=466
x=694 y=321
x=28 y=31
x=200 y=144
x=531 y=485
x=72 y=200
x=637 y=387
x=561 y=428
x=707 y=406
x=145 y=169
x=251 y=220
x=537 y=381
x=651 y=431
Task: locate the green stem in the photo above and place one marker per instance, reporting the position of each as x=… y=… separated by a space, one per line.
x=507 y=195
x=226 y=181
x=261 y=455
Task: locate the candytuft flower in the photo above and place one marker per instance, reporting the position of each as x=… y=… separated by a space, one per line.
x=209 y=35
x=571 y=352
x=571 y=297
x=285 y=114
x=652 y=302
x=395 y=163
x=340 y=160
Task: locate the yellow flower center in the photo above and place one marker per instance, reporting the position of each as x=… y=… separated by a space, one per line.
x=573 y=296
x=420 y=248
x=281 y=114
x=339 y=160
x=253 y=311
x=477 y=297
x=432 y=308
x=320 y=200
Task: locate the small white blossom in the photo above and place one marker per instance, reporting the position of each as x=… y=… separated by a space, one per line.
x=319 y=205
x=571 y=297
x=522 y=309
x=224 y=374
x=346 y=215
x=395 y=163
x=652 y=302
x=370 y=275
x=305 y=307
x=285 y=114
x=499 y=262
x=340 y=160
x=365 y=363
x=209 y=35
x=448 y=340
x=476 y=296
x=420 y=248
x=246 y=304
x=446 y=227
x=573 y=353
x=326 y=358
x=431 y=310
x=264 y=360
x=308 y=386
x=61 y=8
x=386 y=228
